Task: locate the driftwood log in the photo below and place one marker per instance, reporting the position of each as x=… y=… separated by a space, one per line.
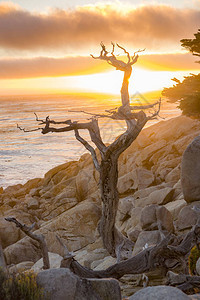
x=186 y=283
x=169 y=254
x=37 y=237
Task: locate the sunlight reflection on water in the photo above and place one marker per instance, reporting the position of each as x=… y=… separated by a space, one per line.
x=28 y=155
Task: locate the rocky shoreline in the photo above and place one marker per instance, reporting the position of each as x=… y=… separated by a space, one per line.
x=66 y=202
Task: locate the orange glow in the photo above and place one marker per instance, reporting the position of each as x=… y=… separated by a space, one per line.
x=109 y=82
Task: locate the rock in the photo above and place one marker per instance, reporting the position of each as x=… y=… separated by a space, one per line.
x=175 y=128
x=159 y=292
x=194 y=297
x=164 y=218
x=160 y=197
x=9 y=234
x=134 y=220
x=138 y=178
x=86 y=183
x=21 y=267
x=177 y=190
x=133 y=234
x=127 y=182
x=124 y=208
x=174 y=175
x=188 y=216
x=33 y=203
x=88 y=258
x=148 y=151
x=147 y=191
x=175 y=207
x=148 y=220
x=146 y=239
x=198 y=266
x=154 y=214
x=181 y=144
x=61 y=284
x=61 y=172
x=77 y=225
x=54 y=259
x=190 y=171
x=144 y=178
x=57 y=207
x=25 y=249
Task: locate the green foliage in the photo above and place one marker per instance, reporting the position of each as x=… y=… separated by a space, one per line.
x=193 y=257
x=193 y=45
x=20 y=286
x=190 y=105
x=187 y=92
x=189 y=86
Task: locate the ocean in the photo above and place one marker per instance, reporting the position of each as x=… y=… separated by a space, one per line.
x=24 y=156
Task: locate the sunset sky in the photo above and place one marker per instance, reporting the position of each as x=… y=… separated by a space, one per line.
x=45 y=46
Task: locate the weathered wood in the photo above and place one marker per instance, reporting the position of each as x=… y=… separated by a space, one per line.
x=165 y=255
x=184 y=282
x=38 y=237
x=116 y=244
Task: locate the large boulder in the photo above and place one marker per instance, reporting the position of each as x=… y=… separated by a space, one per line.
x=174 y=207
x=146 y=239
x=190 y=171
x=61 y=284
x=198 y=266
x=160 y=197
x=21 y=267
x=77 y=226
x=159 y=292
x=152 y=215
x=188 y=216
x=139 y=178
x=54 y=259
x=9 y=234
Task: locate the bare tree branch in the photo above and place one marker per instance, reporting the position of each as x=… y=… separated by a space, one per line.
x=27 y=130
x=127 y=53
x=89 y=148
x=38 y=237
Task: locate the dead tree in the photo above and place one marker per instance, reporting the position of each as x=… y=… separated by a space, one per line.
x=116 y=243
x=37 y=237
x=170 y=254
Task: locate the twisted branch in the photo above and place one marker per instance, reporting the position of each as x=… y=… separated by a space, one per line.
x=37 y=237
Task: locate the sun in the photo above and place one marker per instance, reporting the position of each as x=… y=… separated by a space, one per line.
x=141 y=81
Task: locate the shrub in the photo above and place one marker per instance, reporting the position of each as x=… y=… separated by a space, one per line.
x=190 y=105
x=20 y=286
x=193 y=257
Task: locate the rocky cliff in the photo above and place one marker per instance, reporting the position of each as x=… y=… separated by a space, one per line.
x=67 y=202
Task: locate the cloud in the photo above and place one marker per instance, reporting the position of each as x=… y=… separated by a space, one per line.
x=153 y=27
x=45 y=67
x=169 y=62
x=69 y=66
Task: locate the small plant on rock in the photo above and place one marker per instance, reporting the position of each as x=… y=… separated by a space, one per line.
x=20 y=286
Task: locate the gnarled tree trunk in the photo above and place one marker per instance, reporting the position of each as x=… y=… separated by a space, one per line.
x=116 y=244
x=110 y=199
